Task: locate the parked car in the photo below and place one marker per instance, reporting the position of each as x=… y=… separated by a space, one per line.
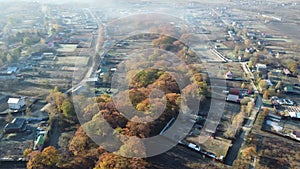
x=194 y=147
x=289 y=102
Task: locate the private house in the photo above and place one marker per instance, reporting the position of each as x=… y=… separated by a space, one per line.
x=240 y=92
x=38 y=56
x=234 y=91
x=5 y=76
x=291 y=90
x=250 y=50
x=274 y=125
x=12 y=70
x=16 y=126
x=261 y=67
x=295 y=115
x=16 y=103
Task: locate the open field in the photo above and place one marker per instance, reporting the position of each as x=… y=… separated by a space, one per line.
x=72 y=60
x=67 y=48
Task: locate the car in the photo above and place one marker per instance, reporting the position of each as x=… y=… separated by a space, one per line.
x=212 y=155
x=194 y=147
x=289 y=102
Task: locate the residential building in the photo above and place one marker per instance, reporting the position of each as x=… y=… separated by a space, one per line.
x=16 y=126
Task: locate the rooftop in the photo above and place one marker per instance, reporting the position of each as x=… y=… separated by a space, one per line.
x=16 y=123
x=13 y=100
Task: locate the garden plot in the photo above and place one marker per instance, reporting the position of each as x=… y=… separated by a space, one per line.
x=72 y=60
x=67 y=48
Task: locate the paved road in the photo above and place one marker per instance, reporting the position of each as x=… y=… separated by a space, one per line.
x=235 y=149
x=237 y=144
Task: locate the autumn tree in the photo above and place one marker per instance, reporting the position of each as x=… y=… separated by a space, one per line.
x=132 y=147
x=266 y=94
x=47 y=159
x=87 y=159
x=68 y=108
x=263 y=85
x=293 y=67
x=249 y=152
x=278 y=85
x=110 y=160
x=80 y=142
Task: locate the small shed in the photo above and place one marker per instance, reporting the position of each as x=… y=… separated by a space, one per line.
x=16 y=103
x=11 y=70
x=233 y=98
x=260 y=67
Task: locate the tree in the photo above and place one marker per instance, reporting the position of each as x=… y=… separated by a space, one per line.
x=64 y=140
x=266 y=95
x=249 y=152
x=80 y=142
x=27 y=151
x=16 y=53
x=247 y=43
x=47 y=159
x=110 y=160
x=263 y=85
x=293 y=67
x=133 y=147
x=136 y=127
x=51 y=155
x=42 y=41
x=245 y=101
x=236 y=50
x=278 y=85
x=243 y=85
x=68 y=108
x=27 y=41
x=9 y=117
x=9 y=58
x=28 y=111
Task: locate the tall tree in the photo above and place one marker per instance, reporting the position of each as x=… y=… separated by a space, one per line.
x=47 y=159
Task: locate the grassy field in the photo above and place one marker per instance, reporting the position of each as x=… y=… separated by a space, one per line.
x=67 y=48
x=72 y=60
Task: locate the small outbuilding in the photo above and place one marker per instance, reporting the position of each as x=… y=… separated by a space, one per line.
x=16 y=103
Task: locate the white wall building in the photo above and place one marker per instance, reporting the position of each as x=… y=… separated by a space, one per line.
x=16 y=103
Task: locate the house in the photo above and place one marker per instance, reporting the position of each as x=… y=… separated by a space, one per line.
x=260 y=67
x=16 y=126
x=291 y=90
x=37 y=56
x=235 y=91
x=295 y=115
x=12 y=70
x=233 y=98
x=250 y=50
x=229 y=75
x=296 y=135
x=274 y=125
x=5 y=76
x=16 y=103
